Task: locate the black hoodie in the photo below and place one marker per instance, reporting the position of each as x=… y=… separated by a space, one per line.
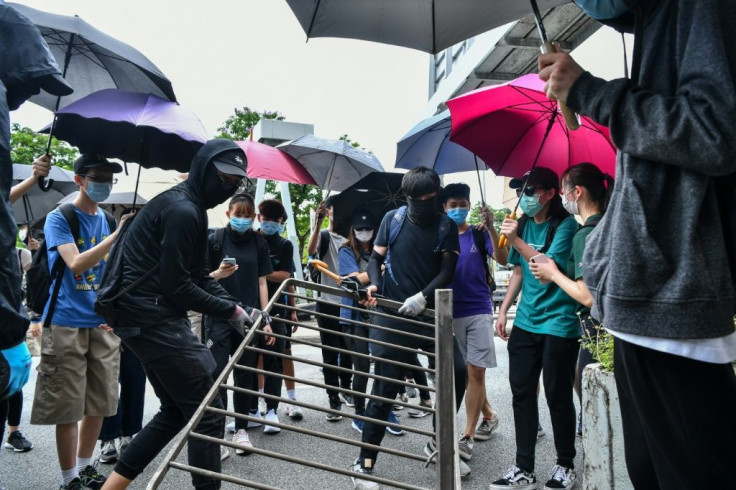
x=171 y=232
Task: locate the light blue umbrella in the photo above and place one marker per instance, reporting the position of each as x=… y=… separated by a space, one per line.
x=428 y=145
x=333 y=164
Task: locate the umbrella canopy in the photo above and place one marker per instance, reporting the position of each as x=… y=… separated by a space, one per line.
x=426 y=25
x=375 y=194
x=126 y=198
x=133 y=127
x=22 y=172
x=36 y=204
x=333 y=164
x=428 y=145
x=267 y=162
x=90 y=60
x=514 y=126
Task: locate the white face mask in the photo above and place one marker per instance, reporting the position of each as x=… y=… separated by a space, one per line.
x=364 y=235
x=570 y=206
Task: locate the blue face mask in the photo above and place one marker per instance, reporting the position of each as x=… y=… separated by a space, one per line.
x=98 y=192
x=603 y=9
x=458 y=215
x=240 y=225
x=281 y=229
x=271 y=227
x=530 y=205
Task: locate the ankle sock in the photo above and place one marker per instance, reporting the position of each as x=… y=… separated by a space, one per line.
x=291 y=394
x=68 y=475
x=82 y=463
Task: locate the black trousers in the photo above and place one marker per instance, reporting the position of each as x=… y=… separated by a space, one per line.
x=361 y=364
x=332 y=376
x=180 y=370
x=129 y=419
x=379 y=410
x=529 y=355
x=10 y=409
x=679 y=419
x=273 y=364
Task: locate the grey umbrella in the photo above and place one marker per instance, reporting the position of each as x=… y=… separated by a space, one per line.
x=333 y=164
x=427 y=25
x=118 y=203
x=33 y=207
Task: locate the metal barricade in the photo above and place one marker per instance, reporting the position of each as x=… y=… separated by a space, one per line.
x=445 y=435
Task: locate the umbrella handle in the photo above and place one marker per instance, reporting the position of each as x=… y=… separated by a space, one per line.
x=571 y=119
x=322 y=267
x=503 y=240
x=45 y=185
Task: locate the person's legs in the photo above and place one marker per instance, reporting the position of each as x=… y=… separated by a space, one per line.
x=661 y=395
x=420 y=378
x=328 y=339
x=132 y=393
x=525 y=364
x=362 y=364
x=273 y=364
x=245 y=403
x=558 y=375
x=479 y=352
x=15 y=410
x=219 y=341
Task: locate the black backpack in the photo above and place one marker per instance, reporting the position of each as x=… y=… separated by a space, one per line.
x=479 y=238
x=324 y=246
x=39 y=278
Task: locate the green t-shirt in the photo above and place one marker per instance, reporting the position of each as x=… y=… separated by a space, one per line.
x=545 y=308
x=575 y=262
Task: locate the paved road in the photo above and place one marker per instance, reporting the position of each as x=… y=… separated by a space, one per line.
x=38 y=469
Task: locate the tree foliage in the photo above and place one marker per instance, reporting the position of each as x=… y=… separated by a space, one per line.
x=239 y=125
x=498 y=216
x=26 y=145
x=352 y=143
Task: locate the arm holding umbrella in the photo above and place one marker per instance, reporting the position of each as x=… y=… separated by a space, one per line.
x=41 y=168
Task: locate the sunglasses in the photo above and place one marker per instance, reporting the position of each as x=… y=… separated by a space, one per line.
x=230 y=181
x=363 y=228
x=528 y=190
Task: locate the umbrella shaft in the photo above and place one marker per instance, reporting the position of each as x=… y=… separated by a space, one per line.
x=538 y=19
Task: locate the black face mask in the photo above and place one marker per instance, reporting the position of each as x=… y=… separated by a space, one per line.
x=214 y=190
x=19 y=93
x=422 y=212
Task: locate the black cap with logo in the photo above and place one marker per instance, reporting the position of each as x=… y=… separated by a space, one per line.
x=543 y=177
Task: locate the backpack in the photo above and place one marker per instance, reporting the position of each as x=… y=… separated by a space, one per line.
x=39 y=278
x=324 y=246
x=553 y=224
x=480 y=243
x=397 y=222
x=109 y=290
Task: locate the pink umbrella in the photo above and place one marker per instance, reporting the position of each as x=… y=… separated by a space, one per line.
x=267 y=162
x=514 y=126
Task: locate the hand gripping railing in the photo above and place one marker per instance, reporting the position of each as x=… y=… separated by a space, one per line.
x=444 y=411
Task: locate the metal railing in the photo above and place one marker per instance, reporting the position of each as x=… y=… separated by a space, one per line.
x=445 y=434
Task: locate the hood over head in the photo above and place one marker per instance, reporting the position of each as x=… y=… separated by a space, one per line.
x=204 y=181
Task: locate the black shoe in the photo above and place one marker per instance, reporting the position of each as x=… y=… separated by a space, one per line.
x=75 y=484
x=18 y=443
x=348 y=399
x=91 y=478
x=334 y=405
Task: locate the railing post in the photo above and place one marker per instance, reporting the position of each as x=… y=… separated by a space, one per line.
x=448 y=475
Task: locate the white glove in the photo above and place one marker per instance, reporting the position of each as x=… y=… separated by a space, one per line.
x=413 y=305
x=241 y=320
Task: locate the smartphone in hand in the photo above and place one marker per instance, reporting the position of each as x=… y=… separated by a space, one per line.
x=539 y=259
x=229 y=261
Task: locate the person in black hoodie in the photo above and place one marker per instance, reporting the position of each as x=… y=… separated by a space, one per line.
x=661 y=264
x=169 y=237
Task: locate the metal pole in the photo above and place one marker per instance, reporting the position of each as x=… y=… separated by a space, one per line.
x=448 y=475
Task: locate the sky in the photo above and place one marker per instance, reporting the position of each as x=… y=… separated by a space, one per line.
x=223 y=54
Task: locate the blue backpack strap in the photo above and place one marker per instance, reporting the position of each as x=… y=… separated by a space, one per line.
x=397 y=221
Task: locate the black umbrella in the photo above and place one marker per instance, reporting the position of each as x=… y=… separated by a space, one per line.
x=375 y=194
x=91 y=60
x=35 y=204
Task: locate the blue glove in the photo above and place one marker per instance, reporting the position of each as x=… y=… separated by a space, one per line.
x=15 y=369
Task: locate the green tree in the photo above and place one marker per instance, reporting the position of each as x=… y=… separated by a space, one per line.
x=26 y=145
x=498 y=216
x=352 y=143
x=238 y=127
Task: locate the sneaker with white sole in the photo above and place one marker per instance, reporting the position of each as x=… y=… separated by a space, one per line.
x=401 y=397
x=486 y=428
x=241 y=437
x=562 y=478
x=253 y=423
x=91 y=478
x=271 y=417
x=262 y=408
x=395 y=431
x=108 y=452
x=411 y=391
x=419 y=412
x=18 y=443
x=294 y=412
x=358 y=425
x=123 y=444
x=465 y=447
x=358 y=482
x=335 y=404
x=517 y=479
x=348 y=399
x=230 y=427
x=224 y=453
x=430 y=449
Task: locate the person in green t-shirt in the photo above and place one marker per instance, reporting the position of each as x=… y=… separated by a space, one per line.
x=586 y=192
x=546 y=330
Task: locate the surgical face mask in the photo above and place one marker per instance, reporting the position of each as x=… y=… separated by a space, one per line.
x=98 y=191
x=422 y=211
x=603 y=9
x=570 y=206
x=240 y=225
x=458 y=215
x=530 y=205
x=364 y=235
x=281 y=228
x=270 y=227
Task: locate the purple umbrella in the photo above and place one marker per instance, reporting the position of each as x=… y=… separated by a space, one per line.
x=133 y=127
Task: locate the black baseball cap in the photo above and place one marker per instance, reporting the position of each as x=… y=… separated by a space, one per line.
x=231 y=162
x=90 y=160
x=543 y=177
x=362 y=220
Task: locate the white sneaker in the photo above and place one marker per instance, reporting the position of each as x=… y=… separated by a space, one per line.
x=262 y=408
x=252 y=423
x=271 y=417
x=123 y=444
x=516 y=479
x=294 y=412
x=224 y=453
x=358 y=482
x=562 y=479
x=241 y=437
x=230 y=427
x=430 y=449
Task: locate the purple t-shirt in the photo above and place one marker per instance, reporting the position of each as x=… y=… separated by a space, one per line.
x=470 y=291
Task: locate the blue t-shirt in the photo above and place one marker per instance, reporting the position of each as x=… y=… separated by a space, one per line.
x=349 y=265
x=75 y=305
x=545 y=308
x=471 y=293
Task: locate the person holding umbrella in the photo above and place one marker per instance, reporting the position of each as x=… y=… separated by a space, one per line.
x=670 y=305
x=544 y=339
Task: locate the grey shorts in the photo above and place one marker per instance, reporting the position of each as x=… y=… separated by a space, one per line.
x=474 y=335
